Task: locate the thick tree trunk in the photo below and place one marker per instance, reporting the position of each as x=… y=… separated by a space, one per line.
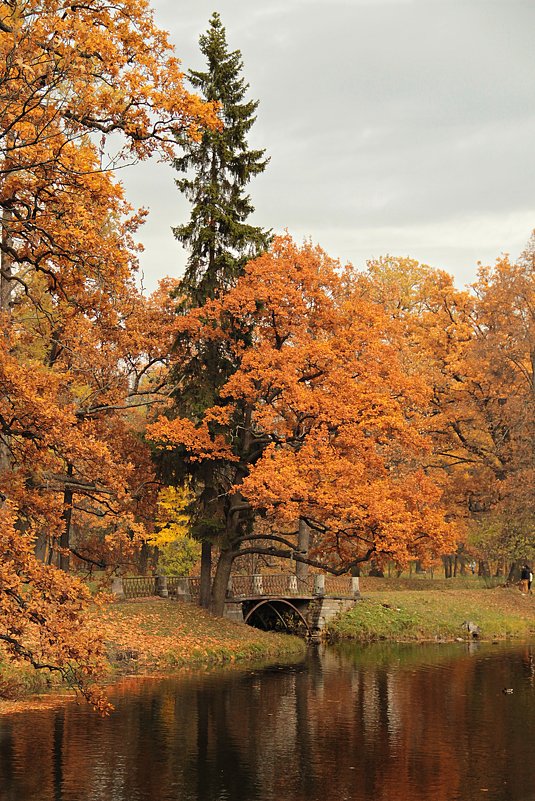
x=66 y=516
x=205 y=593
x=221 y=579
x=143 y=562
x=303 y=544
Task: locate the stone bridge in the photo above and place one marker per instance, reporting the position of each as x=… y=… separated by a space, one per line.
x=287 y=603
x=281 y=602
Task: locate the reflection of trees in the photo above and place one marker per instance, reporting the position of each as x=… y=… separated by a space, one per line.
x=381 y=723
x=221 y=765
x=57 y=751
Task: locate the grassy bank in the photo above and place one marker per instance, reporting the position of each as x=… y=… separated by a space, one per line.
x=155 y=636
x=160 y=635
x=436 y=614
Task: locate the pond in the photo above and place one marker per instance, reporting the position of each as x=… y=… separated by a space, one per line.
x=392 y=722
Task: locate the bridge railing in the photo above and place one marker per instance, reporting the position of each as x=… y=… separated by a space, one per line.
x=139 y=586
x=184 y=588
x=288 y=584
x=340 y=585
x=278 y=585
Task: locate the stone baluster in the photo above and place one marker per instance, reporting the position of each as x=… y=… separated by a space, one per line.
x=292 y=584
x=117 y=588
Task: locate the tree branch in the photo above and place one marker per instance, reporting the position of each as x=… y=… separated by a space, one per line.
x=101 y=564
x=296 y=556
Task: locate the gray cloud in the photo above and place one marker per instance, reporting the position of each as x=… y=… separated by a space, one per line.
x=396 y=126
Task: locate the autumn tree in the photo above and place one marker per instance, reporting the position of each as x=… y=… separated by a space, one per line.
x=476 y=350
x=67 y=72
x=318 y=423
x=40 y=613
x=178 y=552
x=503 y=387
x=437 y=323
x=80 y=346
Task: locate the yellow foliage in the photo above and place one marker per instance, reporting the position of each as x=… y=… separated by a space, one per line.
x=178 y=551
x=173 y=520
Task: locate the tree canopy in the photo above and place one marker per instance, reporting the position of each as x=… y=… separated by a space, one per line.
x=80 y=346
x=318 y=422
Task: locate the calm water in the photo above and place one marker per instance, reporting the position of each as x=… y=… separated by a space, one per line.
x=380 y=722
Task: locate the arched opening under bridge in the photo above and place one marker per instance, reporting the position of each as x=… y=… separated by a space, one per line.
x=276 y=614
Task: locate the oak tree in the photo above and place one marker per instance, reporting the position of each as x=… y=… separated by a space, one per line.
x=80 y=347
x=318 y=423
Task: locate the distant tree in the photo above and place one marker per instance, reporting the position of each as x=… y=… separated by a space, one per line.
x=178 y=551
x=216 y=170
x=477 y=350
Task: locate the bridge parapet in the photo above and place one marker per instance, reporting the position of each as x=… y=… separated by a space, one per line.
x=183 y=588
x=284 y=584
x=260 y=585
x=279 y=585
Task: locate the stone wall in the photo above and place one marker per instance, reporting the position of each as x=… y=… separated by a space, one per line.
x=322 y=610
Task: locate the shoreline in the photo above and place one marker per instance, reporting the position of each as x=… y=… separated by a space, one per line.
x=157 y=638
x=153 y=638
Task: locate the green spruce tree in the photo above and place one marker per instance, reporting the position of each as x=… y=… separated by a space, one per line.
x=219 y=241
x=216 y=171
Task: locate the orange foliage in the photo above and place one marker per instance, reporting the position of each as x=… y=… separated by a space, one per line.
x=82 y=352
x=322 y=421
x=40 y=610
x=476 y=350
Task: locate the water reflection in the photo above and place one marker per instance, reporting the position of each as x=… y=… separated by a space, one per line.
x=403 y=723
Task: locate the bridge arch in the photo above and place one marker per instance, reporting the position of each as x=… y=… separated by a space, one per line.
x=276 y=614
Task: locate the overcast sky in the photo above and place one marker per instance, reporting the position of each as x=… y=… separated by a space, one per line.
x=404 y=127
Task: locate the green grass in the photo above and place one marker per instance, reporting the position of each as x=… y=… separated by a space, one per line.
x=426 y=581
x=405 y=615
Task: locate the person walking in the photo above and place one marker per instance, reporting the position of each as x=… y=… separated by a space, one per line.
x=525 y=583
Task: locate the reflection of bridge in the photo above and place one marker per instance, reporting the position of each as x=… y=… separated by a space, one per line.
x=280 y=602
x=288 y=603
